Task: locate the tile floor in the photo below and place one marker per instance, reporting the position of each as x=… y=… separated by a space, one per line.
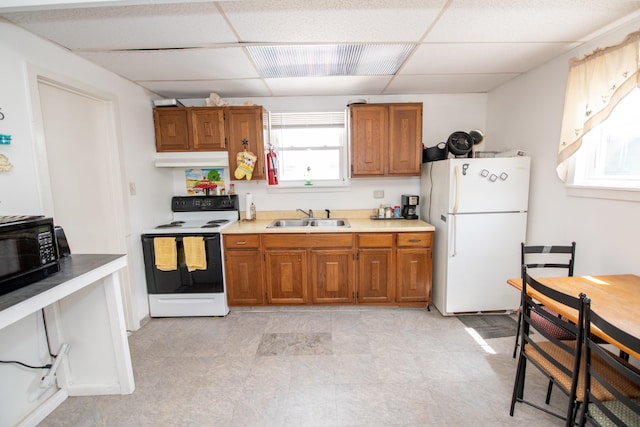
x=378 y=366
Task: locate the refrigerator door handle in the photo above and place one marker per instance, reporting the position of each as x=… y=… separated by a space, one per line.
x=456 y=199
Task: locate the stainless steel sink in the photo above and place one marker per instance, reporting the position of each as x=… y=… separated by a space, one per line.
x=309 y=222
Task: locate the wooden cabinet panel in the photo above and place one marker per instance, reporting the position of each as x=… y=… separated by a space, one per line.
x=320 y=240
x=286 y=276
x=385 y=139
x=246 y=123
x=172 y=129
x=207 y=129
x=368 y=139
x=413 y=274
x=243 y=277
x=332 y=275
x=405 y=139
x=375 y=275
x=244 y=274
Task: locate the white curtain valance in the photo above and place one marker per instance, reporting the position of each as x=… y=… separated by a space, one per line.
x=596 y=84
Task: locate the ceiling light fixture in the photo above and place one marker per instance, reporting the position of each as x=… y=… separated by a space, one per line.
x=329 y=60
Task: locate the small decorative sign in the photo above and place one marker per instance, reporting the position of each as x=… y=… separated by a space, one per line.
x=204 y=181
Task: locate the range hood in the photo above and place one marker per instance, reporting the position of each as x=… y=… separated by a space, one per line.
x=192 y=159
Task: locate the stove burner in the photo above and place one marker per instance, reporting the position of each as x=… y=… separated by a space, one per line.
x=173 y=224
x=218 y=221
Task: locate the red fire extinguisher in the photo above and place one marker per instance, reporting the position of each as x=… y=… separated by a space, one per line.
x=272 y=166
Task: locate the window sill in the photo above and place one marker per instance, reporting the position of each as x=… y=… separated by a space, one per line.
x=611 y=193
x=316 y=187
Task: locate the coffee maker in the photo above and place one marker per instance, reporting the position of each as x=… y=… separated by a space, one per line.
x=410 y=206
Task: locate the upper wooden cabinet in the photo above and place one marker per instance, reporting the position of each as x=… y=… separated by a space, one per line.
x=385 y=139
x=249 y=124
x=189 y=129
x=215 y=129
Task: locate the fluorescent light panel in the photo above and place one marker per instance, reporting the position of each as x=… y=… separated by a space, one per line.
x=329 y=60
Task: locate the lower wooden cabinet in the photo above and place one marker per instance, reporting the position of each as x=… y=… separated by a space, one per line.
x=375 y=268
x=413 y=258
x=332 y=275
x=286 y=276
x=329 y=268
x=243 y=269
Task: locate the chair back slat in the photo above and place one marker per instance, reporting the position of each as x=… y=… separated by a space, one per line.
x=537 y=256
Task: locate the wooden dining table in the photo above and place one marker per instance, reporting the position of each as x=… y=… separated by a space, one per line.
x=614 y=297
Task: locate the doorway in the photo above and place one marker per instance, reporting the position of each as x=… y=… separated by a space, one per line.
x=80 y=172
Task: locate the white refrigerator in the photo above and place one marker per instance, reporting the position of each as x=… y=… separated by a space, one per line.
x=479 y=209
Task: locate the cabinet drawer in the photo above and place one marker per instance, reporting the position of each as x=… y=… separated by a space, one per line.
x=241 y=241
x=319 y=240
x=375 y=240
x=415 y=239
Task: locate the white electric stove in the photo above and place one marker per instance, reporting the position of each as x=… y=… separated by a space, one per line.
x=179 y=292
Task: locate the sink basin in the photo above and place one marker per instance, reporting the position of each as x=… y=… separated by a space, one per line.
x=309 y=222
x=329 y=223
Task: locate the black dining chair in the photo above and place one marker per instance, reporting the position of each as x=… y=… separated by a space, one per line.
x=558 y=360
x=611 y=384
x=560 y=258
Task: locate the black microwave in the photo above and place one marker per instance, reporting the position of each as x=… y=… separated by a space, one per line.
x=28 y=251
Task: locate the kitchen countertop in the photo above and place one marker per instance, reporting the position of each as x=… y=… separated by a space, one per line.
x=359 y=221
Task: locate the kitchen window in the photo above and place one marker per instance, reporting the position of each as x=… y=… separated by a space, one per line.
x=610 y=153
x=599 y=150
x=310 y=147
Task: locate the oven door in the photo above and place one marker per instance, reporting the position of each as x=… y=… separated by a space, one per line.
x=181 y=280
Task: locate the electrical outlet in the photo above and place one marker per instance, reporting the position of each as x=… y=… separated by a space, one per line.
x=378 y=194
x=132 y=188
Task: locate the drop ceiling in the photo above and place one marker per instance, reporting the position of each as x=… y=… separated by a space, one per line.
x=191 y=49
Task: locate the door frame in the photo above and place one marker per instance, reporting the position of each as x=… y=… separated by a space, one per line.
x=115 y=161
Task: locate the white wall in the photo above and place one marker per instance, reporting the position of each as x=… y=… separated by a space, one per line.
x=526 y=113
x=20 y=192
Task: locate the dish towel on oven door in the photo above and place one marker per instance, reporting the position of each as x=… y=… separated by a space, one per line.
x=165 y=252
x=194 y=253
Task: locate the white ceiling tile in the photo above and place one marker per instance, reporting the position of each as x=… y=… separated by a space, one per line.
x=130 y=27
x=181 y=64
x=447 y=83
x=329 y=21
x=311 y=86
x=202 y=88
x=526 y=20
x=466 y=46
x=480 y=57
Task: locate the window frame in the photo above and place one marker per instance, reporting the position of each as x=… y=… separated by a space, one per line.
x=316 y=184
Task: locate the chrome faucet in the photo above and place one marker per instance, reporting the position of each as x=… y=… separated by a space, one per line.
x=309 y=214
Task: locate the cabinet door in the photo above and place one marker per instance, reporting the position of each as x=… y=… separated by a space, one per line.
x=244 y=278
x=369 y=133
x=286 y=276
x=413 y=274
x=405 y=139
x=207 y=129
x=172 y=129
x=375 y=275
x=332 y=275
x=245 y=123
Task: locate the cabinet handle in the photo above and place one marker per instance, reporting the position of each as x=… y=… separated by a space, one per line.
x=415 y=240
x=241 y=243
